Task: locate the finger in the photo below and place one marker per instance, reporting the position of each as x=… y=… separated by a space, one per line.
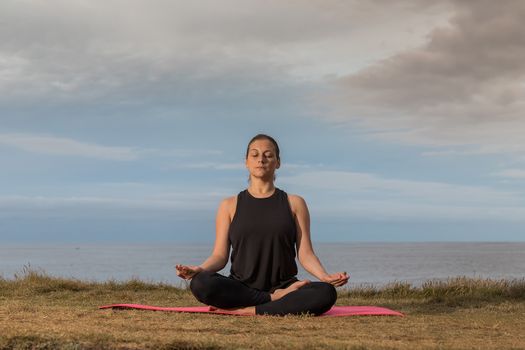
x=344 y=280
x=339 y=278
x=339 y=281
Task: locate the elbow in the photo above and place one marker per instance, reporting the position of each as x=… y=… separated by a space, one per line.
x=222 y=261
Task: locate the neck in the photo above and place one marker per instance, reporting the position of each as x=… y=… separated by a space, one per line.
x=261 y=187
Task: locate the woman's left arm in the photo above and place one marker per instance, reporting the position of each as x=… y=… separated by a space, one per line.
x=305 y=252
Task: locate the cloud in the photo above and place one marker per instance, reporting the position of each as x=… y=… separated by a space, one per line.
x=66 y=147
x=164 y=205
x=352 y=194
x=60 y=146
x=231 y=166
x=329 y=194
x=511 y=173
x=171 y=50
x=366 y=184
x=207 y=165
x=152 y=53
x=464 y=88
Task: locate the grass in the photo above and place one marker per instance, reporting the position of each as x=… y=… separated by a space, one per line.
x=38 y=311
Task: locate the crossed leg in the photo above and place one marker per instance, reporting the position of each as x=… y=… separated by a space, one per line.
x=223 y=292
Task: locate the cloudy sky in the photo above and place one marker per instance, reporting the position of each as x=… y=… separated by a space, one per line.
x=128 y=120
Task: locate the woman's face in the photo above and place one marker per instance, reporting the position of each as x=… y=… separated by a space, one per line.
x=262 y=159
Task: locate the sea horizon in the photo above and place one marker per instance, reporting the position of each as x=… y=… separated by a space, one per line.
x=368 y=263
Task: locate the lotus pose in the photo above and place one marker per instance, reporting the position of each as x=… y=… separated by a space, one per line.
x=264 y=226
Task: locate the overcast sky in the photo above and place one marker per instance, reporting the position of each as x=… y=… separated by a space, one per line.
x=129 y=120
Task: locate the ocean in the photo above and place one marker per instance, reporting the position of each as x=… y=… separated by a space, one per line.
x=371 y=264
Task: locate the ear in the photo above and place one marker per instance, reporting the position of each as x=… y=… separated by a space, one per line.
x=278 y=164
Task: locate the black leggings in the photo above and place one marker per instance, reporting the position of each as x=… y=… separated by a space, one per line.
x=223 y=292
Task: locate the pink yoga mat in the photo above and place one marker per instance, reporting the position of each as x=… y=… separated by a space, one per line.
x=334 y=311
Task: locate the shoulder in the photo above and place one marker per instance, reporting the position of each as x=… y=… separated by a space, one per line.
x=228 y=205
x=297 y=203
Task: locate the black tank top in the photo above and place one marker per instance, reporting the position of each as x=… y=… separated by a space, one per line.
x=263 y=235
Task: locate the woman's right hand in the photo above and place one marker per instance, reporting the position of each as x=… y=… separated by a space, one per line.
x=187 y=271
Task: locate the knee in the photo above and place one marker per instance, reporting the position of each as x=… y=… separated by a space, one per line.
x=327 y=296
x=201 y=286
x=329 y=293
x=333 y=294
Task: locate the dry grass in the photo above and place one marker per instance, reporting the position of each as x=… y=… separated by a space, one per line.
x=42 y=312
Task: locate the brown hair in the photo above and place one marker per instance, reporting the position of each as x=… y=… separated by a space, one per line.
x=263 y=137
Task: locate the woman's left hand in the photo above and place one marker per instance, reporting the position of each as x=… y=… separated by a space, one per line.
x=337 y=279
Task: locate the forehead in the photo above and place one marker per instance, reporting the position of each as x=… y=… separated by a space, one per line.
x=262 y=145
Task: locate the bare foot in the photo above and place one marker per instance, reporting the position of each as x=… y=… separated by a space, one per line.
x=250 y=310
x=279 y=293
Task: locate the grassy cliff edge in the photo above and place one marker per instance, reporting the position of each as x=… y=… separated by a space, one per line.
x=38 y=311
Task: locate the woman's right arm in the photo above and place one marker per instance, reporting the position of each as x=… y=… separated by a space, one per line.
x=221 y=250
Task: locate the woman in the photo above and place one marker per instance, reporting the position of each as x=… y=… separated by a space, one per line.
x=263 y=225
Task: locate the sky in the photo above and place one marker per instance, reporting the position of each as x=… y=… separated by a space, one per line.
x=128 y=120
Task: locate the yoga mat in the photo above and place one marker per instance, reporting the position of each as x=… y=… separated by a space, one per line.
x=334 y=311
